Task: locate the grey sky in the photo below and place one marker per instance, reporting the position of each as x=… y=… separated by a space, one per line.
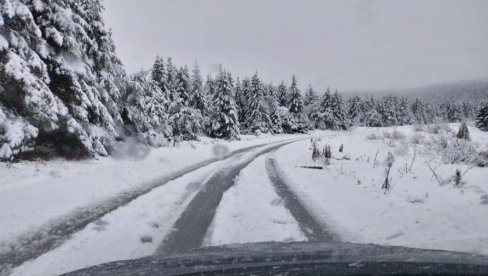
x=341 y=44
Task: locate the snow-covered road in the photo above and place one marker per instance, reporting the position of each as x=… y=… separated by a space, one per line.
x=174 y=214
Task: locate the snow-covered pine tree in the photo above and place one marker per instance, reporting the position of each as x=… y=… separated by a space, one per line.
x=171 y=82
x=183 y=85
x=224 y=121
x=295 y=104
x=372 y=117
x=273 y=107
x=294 y=121
x=187 y=122
x=450 y=111
x=243 y=98
x=404 y=116
x=354 y=110
x=387 y=107
x=482 y=118
x=145 y=113
x=198 y=97
x=158 y=72
x=340 y=115
x=282 y=94
x=330 y=113
x=59 y=74
x=311 y=97
x=419 y=112
x=256 y=120
x=468 y=110
x=209 y=87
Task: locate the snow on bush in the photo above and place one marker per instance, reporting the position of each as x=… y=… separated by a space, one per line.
x=453 y=150
x=394 y=135
x=16 y=136
x=439 y=128
x=373 y=136
x=417 y=138
x=418 y=127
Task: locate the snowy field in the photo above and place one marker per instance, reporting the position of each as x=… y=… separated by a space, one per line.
x=421 y=209
x=417 y=211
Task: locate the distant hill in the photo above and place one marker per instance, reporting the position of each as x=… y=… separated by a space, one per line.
x=468 y=90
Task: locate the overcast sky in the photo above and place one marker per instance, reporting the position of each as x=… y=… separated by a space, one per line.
x=342 y=44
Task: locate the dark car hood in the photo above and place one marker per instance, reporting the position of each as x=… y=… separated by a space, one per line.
x=300 y=258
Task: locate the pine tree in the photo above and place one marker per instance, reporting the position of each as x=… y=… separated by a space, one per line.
x=295 y=104
x=282 y=94
x=372 y=117
x=256 y=116
x=198 y=97
x=187 y=123
x=340 y=115
x=482 y=119
x=145 y=113
x=183 y=85
x=419 y=112
x=404 y=116
x=171 y=83
x=158 y=73
x=311 y=97
x=330 y=113
x=61 y=73
x=224 y=122
x=354 y=111
x=387 y=108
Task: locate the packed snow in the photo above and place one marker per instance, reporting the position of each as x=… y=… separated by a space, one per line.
x=251 y=211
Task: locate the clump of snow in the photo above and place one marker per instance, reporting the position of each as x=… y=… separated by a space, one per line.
x=16 y=135
x=3 y=43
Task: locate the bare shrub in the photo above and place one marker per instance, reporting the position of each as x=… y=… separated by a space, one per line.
x=372 y=136
x=418 y=127
x=326 y=152
x=417 y=138
x=390 y=159
x=394 y=135
x=439 y=128
x=315 y=149
x=482 y=159
x=453 y=150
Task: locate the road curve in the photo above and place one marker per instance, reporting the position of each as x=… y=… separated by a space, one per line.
x=33 y=245
x=314 y=231
x=190 y=229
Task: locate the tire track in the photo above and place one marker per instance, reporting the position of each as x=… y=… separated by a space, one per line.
x=314 y=231
x=190 y=229
x=33 y=245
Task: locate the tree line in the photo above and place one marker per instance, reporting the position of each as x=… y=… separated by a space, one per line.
x=63 y=91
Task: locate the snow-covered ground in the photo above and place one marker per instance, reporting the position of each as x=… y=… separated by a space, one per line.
x=32 y=194
x=416 y=212
x=251 y=211
x=346 y=197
